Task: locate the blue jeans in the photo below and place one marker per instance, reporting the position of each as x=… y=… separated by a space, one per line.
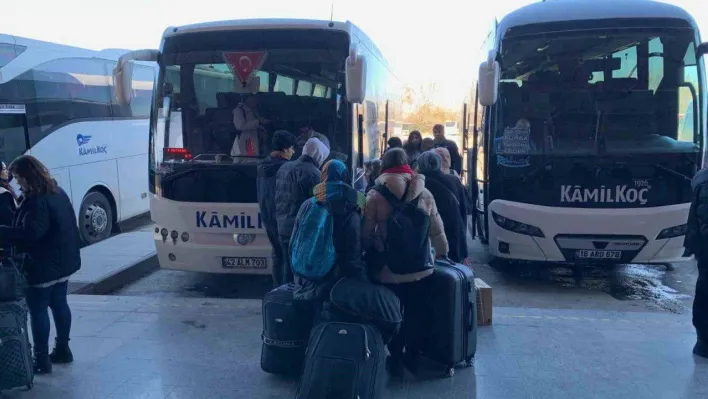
x=39 y=300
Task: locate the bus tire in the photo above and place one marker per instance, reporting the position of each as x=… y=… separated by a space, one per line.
x=95 y=218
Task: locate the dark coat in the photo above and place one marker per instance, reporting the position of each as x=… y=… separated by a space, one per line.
x=452 y=205
x=455 y=158
x=294 y=183
x=696 y=240
x=44 y=228
x=7 y=207
x=265 y=186
x=347 y=246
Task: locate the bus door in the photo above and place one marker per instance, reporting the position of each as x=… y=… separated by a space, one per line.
x=478 y=177
x=14 y=136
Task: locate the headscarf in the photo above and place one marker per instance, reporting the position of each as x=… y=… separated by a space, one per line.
x=429 y=161
x=316 y=149
x=334 y=185
x=445 y=157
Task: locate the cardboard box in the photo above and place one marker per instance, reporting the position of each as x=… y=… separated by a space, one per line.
x=484 y=302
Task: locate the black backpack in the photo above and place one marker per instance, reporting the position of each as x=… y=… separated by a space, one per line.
x=407 y=234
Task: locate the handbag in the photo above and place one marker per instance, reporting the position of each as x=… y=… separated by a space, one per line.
x=13 y=284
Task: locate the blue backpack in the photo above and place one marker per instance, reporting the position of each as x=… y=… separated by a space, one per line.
x=312 y=244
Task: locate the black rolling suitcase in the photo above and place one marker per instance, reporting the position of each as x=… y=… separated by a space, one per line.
x=344 y=361
x=15 y=350
x=286 y=329
x=446 y=318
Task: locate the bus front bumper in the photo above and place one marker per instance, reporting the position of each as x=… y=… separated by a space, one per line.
x=587 y=235
x=215 y=253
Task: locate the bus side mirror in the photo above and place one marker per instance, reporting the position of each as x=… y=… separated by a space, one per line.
x=355 y=71
x=702 y=49
x=123 y=72
x=489 y=73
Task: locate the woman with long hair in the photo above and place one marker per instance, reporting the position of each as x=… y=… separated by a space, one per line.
x=45 y=234
x=412 y=146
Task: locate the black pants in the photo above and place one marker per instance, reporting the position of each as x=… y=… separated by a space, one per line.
x=410 y=295
x=700 y=302
x=277 y=271
x=39 y=300
x=287 y=266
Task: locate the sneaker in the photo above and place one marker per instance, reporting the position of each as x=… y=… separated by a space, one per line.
x=61 y=354
x=42 y=364
x=701 y=349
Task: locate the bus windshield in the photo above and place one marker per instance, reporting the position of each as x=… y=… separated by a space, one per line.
x=296 y=84
x=592 y=93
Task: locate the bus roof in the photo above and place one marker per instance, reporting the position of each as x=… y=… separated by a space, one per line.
x=277 y=23
x=572 y=10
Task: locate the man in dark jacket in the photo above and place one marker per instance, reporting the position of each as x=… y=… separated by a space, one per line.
x=696 y=242
x=451 y=201
x=441 y=141
x=283 y=148
x=294 y=184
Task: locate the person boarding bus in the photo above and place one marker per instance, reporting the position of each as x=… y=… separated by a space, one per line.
x=250 y=126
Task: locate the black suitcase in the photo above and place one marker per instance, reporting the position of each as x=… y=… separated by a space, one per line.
x=446 y=319
x=286 y=329
x=344 y=361
x=15 y=350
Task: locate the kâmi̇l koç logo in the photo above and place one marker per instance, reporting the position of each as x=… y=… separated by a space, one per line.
x=82 y=140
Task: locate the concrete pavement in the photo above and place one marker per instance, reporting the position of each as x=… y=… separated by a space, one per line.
x=138 y=347
x=114 y=262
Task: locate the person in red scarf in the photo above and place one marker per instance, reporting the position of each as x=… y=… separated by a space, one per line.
x=402 y=182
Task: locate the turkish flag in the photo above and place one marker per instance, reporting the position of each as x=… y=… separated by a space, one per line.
x=243 y=63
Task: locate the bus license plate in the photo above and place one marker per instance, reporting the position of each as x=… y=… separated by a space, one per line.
x=244 y=263
x=590 y=254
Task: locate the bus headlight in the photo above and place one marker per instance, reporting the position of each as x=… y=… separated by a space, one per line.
x=670 y=232
x=244 y=239
x=517 y=227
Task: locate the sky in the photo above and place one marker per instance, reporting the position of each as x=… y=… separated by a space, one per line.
x=436 y=41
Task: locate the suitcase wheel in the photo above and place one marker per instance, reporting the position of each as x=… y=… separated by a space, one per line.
x=450 y=372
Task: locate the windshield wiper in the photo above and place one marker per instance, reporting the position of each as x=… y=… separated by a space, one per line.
x=658 y=166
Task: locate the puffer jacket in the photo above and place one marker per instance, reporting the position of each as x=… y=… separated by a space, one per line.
x=265 y=186
x=294 y=183
x=696 y=240
x=378 y=210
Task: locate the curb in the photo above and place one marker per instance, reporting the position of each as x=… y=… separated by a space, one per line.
x=119 y=278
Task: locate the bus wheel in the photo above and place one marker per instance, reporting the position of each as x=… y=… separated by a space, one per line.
x=95 y=218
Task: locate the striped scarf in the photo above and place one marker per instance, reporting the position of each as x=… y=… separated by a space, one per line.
x=334 y=186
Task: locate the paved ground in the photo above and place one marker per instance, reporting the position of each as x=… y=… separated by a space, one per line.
x=137 y=347
x=622 y=288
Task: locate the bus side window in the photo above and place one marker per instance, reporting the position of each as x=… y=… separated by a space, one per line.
x=70 y=89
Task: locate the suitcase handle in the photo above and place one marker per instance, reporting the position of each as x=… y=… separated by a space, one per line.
x=473 y=319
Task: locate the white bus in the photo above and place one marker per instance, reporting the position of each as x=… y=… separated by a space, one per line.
x=203 y=201
x=57 y=103
x=585 y=151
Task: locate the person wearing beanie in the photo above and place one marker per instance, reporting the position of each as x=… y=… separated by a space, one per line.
x=293 y=185
x=283 y=144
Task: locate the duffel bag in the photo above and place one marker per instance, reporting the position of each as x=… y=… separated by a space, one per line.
x=356 y=301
